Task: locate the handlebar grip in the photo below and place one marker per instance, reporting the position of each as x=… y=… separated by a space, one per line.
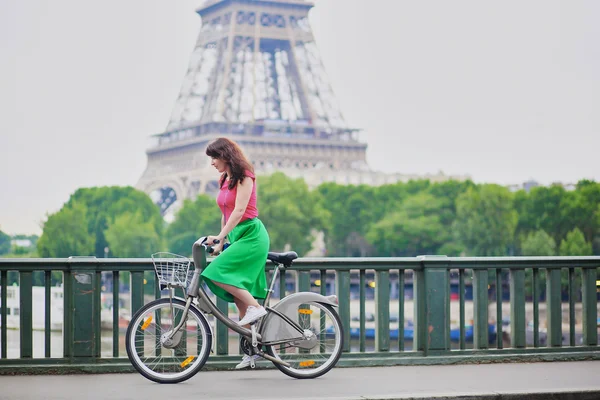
x=209 y=249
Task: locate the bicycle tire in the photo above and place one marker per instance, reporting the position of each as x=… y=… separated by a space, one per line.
x=302 y=363
x=183 y=362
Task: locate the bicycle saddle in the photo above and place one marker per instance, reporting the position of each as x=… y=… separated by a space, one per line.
x=283 y=258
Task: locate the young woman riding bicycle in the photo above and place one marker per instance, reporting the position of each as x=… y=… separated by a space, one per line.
x=237 y=274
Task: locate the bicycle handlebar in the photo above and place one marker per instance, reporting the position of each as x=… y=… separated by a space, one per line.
x=208 y=247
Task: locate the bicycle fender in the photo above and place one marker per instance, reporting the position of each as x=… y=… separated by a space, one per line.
x=275 y=328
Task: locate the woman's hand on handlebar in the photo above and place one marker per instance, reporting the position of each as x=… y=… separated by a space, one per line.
x=216 y=243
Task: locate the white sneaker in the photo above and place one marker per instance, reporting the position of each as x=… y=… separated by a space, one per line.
x=252 y=314
x=245 y=363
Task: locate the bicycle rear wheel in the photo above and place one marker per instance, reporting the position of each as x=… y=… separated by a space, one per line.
x=168 y=362
x=325 y=349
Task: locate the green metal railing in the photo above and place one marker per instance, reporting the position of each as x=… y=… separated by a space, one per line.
x=435 y=293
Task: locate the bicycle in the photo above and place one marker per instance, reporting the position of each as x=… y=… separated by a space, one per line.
x=169 y=340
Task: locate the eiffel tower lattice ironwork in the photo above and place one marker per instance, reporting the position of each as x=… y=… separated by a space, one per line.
x=255 y=75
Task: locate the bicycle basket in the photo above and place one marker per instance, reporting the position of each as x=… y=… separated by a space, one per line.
x=172 y=269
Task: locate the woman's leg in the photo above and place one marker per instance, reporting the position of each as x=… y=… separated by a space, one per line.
x=241 y=307
x=245 y=301
x=242 y=296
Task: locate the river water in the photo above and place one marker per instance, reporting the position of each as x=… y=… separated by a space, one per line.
x=56 y=344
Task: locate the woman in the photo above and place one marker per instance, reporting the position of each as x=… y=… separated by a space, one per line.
x=238 y=273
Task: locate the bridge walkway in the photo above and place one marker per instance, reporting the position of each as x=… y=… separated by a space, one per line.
x=543 y=380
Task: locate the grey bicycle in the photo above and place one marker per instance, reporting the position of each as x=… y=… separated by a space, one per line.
x=169 y=340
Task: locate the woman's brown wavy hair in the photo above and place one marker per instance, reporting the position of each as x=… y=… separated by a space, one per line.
x=230 y=152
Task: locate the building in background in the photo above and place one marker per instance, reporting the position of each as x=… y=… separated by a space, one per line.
x=256 y=76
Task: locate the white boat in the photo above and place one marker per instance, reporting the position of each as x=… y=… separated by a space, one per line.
x=13 y=311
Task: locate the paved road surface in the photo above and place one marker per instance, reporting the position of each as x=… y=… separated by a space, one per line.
x=340 y=383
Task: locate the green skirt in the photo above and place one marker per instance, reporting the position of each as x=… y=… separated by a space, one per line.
x=242 y=264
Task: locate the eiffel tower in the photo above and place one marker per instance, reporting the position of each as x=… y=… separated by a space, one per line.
x=255 y=76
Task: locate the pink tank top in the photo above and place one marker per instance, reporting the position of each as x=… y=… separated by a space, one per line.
x=226 y=200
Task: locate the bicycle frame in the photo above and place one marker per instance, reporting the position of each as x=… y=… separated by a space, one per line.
x=195 y=290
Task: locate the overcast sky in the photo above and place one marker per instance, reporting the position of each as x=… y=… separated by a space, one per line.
x=503 y=91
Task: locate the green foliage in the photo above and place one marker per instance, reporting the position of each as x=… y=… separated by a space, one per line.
x=575 y=245
x=455 y=218
x=21 y=251
x=106 y=203
x=18 y=250
x=353 y=211
x=580 y=207
x=194 y=219
x=130 y=236
x=415 y=229
x=291 y=213
x=80 y=227
x=541 y=209
x=66 y=233
x=485 y=220
x=446 y=194
x=4 y=243
x=539 y=243
x=558 y=211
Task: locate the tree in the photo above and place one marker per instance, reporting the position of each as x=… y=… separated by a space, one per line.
x=541 y=209
x=575 y=245
x=4 y=243
x=353 y=210
x=485 y=220
x=194 y=219
x=65 y=233
x=104 y=204
x=538 y=243
x=86 y=217
x=577 y=208
x=596 y=239
x=413 y=230
x=446 y=194
x=291 y=213
x=128 y=235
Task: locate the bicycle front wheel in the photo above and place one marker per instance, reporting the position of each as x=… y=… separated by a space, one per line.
x=162 y=360
x=315 y=357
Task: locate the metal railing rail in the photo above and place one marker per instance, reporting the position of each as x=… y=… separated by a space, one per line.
x=571 y=294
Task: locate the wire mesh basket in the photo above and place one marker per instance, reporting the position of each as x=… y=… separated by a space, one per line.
x=172 y=269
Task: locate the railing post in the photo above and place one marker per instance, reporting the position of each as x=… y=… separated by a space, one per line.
x=382 y=307
x=85 y=310
x=26 y=315
x=303 y=281
x=517 y=308
x=590 y=307
x=434 y=328
x=420 y=322
x=553 y=308
x=137 y=291
x=343 y=292
x=222 y=330
x=3 y=298
x=67 y=315
x=480 y=309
